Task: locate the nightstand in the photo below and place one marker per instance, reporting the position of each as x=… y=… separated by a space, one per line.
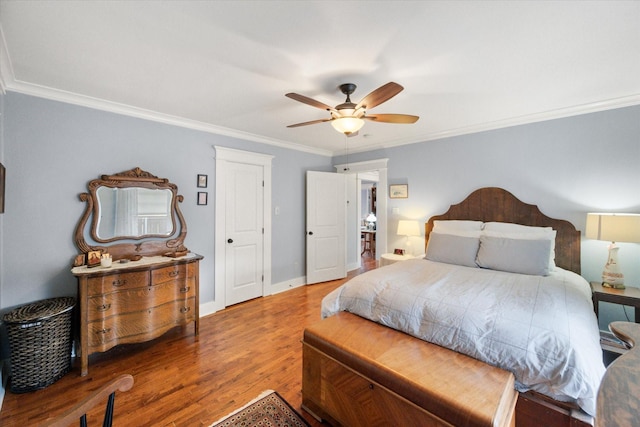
x=388 y=259
x=629 y=296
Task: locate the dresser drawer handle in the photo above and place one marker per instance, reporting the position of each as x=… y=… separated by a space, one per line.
x=174 y=273
x=104 y=307
x=185 y=309
x=119 y=282
x=104 y=331
x=185 y=289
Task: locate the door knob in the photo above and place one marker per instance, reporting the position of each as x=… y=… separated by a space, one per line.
x=230 y=241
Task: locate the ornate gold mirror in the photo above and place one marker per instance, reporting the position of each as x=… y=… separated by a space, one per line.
x=132 y=214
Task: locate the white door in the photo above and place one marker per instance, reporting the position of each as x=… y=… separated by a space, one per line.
x=326 y=226
x=244 y=232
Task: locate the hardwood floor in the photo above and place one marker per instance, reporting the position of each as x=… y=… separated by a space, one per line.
x=182 y=380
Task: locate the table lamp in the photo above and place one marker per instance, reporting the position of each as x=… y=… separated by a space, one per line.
x=614 y=228
x=371 y=219
x=408 y=228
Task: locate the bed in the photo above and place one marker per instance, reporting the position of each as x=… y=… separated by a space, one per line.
x=525 y=310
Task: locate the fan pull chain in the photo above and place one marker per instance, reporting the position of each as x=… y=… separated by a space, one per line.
x=346 y=151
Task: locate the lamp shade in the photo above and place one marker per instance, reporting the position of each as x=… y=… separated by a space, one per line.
x=618 y=227
x=371 y=218
x=347 y=125
x=408 y=228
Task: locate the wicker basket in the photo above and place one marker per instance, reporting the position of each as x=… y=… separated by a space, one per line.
x=40 y=339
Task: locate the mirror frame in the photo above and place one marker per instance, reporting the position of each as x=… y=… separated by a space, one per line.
x=131 y=247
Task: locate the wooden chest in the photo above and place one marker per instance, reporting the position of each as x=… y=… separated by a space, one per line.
x=135 y=302
x=359 y=373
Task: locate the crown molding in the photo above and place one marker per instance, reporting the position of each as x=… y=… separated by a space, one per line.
x=594 y=107
x=114 y=107
x=7 y=82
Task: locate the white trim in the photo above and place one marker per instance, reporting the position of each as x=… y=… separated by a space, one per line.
x=141 y=113
x=208 y=308
x=211 y=307
x=593 y=107
x=288 y=285
x=351 y=267
x=223 y=155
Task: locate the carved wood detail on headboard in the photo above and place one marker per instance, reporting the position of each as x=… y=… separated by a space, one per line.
x=496 y=204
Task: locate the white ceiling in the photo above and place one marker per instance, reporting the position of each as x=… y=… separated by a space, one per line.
x=224 y=66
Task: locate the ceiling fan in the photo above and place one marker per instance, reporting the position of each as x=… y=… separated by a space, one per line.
x=348 y=117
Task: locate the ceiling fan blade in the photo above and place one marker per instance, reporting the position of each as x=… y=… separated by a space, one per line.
x=380 y=95
x=308 y=101
x=312 y=122
x=392 y=118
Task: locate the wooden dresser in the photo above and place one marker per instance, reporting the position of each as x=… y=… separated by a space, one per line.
x=135 y=301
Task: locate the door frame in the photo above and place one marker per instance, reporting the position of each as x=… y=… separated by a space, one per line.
x=223 y=156
x=379 y=165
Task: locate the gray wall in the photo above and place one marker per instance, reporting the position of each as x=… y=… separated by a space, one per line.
x=51 y=151
x=567 y=167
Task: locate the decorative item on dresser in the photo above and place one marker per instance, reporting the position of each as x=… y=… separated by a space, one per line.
x=152 y=282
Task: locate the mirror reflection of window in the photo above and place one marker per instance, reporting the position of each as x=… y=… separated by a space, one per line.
x=154 y=207
x=132 y=212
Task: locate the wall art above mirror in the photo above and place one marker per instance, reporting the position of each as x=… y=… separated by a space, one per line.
x=132 y=214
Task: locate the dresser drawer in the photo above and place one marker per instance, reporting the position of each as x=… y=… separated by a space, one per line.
x=138 y=299
x=113 y=282
x=178 y=273
x=139 y=326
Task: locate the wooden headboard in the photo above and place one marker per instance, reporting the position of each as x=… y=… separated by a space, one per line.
x=495 y=204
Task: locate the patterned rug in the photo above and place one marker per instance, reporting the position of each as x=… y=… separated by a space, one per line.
x=267 y=410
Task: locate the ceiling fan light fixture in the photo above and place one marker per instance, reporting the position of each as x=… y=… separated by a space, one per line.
x=347 y=125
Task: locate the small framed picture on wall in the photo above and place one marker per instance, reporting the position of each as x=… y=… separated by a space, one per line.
x=398 y=191
x=202 y=181
x=202 y=197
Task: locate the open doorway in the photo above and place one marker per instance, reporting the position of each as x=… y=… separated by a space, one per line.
x=368 y=214
x=356 y=172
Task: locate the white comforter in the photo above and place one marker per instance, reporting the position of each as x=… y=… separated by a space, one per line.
x=543 y=329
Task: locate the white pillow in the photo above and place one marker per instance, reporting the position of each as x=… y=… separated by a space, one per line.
x=452 y=249
x=458 y=227
x=507 y=227
x=524 y=256
x=517 y=231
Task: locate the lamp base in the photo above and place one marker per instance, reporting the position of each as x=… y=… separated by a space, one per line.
x=612 y=277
